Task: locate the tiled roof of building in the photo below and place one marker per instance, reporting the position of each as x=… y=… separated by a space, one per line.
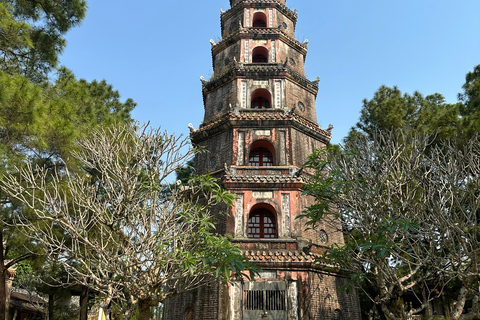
x=278 y=256
x=285 y=9
x=262 y=116
x=244 y=32
x=263 y=179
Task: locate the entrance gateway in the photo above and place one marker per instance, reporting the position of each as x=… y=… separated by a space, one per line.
x=259 y=127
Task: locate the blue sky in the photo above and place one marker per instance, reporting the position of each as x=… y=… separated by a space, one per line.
x=154 y=51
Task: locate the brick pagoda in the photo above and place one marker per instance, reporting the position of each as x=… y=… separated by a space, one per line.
x=260 y=126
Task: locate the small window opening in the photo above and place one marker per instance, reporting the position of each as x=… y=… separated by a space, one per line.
x=259 y=24
x=259 y=58
x=260 y=55
x=260 y=103
x=259 y=20
x=260 y=99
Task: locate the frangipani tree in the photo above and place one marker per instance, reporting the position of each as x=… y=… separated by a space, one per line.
x=119 y=227
x=409 y=208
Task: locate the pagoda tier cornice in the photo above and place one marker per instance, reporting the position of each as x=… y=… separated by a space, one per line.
x=288 y=259
x=271 y=178
x=263 y=71
x=292 y=15
x=261 y=34
x=256 y=183
x=249 y=118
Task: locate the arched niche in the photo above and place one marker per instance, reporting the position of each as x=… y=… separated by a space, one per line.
x=261 y=99
x=259 y=20
x=260 y=55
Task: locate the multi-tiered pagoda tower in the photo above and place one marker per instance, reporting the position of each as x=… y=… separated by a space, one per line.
x=260 y=126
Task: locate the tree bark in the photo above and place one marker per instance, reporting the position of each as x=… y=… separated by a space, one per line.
x=3 y=291
x=459 y=304
x=51 y=300
x=84 y=304
x=144 y=310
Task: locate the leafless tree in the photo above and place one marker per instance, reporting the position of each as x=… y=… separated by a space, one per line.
x=118 y=227
x=409 y=207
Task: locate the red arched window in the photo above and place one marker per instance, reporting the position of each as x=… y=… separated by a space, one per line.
x=260 y=55
x=259 y=20
x=260 y=99
x=260 y=157
x=262 y=224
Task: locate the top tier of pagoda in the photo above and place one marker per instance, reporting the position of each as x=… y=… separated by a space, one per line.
x=258 y=64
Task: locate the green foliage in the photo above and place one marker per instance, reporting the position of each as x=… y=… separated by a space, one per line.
x=32 y=34
x=390 y=109
x=470 y=110
x=43 y=121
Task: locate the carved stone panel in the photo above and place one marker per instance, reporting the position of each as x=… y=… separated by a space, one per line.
x=278 y=94
x=241 y=148
x=283 y=148
x=286 y=215
x=239 y=220
x=273 y=51
x=292 y=301
x=247 y=51
x=244 y=94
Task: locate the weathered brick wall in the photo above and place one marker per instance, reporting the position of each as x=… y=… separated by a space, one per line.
x=218 y=102
x=296 y=96
x=204 y=302
x=296 y=59
x=225 y=59
x=326 y=296
x=219 y=153
x=302 y=145
x=231 y=23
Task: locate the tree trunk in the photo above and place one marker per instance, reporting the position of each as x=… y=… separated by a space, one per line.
x=51 y=300
x=3 y=291
x=144 y=310
x=459 y=304
x=84 y=304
